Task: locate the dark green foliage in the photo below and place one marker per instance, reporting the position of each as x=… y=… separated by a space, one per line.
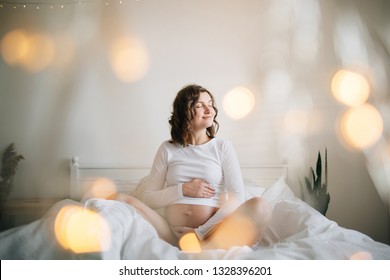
x=10 y=161
x=316 y=191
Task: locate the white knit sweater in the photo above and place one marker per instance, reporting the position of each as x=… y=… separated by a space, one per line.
x=215 y=162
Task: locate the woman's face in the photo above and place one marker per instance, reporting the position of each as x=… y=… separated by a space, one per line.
x=204 y=112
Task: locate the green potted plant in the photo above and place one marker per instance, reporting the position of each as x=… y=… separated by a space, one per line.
x=315 y=193
x=10 y=161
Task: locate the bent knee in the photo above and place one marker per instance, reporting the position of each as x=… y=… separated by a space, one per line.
x=259 y=203
x=260 y=208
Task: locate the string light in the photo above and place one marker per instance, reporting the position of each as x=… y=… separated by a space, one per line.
x=52 y=4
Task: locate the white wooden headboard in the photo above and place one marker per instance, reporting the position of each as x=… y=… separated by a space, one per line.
x=126 y=178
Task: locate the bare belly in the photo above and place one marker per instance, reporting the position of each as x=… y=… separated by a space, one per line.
x=188 y=215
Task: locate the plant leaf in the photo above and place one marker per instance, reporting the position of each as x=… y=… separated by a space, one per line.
x=10 y=161
x=302 y=190
x=8 y=153
x=326 y=167
x=319 y=167
x=317 y=195
x=313 y=175
x=308 y=186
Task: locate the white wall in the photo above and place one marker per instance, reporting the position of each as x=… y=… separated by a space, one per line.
x=82 y=108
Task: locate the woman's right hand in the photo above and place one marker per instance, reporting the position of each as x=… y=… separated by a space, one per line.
x=198 y=188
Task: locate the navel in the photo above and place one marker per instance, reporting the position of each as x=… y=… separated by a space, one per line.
x=188 y=212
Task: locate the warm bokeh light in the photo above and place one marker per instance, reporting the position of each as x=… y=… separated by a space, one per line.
x=350 y=88
x=40 y=53
x=189 y=243
x=129 y=59
x=361 y=127
x=33 y=52
x=103 y=188
x=238 y=102
x=361 y=256
x=82 y=230
x=14 y=46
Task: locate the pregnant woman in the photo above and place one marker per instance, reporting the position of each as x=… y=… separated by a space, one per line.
x=196 y=177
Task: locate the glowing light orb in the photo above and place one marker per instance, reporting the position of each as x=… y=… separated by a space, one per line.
x=238 y=102
x=129 y=59
x=361 y=127
x=33 y=52
x=82 y=230
x=40 y=53
x=14 y=46
x=190 y=243
x=103 y=188
x=350 y=88
x=361 y=256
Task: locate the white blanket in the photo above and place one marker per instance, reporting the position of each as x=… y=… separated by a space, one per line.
x=296 y=232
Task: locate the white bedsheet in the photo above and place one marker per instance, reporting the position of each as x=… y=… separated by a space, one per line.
x=297 y=232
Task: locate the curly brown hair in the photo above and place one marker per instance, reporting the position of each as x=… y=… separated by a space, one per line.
x=183 y=113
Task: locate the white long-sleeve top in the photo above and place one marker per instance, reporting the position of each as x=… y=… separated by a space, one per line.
x=215 y=162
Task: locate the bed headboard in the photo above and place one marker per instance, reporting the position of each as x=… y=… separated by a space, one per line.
x=126 y=178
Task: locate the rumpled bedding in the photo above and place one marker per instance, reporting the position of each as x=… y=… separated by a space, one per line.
x=296 y=232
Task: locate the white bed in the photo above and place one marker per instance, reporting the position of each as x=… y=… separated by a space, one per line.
x=296 y=232
x=126 y=179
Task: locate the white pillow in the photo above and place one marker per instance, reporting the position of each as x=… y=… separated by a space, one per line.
x=139 y=190
x=252 y=190
x=139 y=193
x=278 y=191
